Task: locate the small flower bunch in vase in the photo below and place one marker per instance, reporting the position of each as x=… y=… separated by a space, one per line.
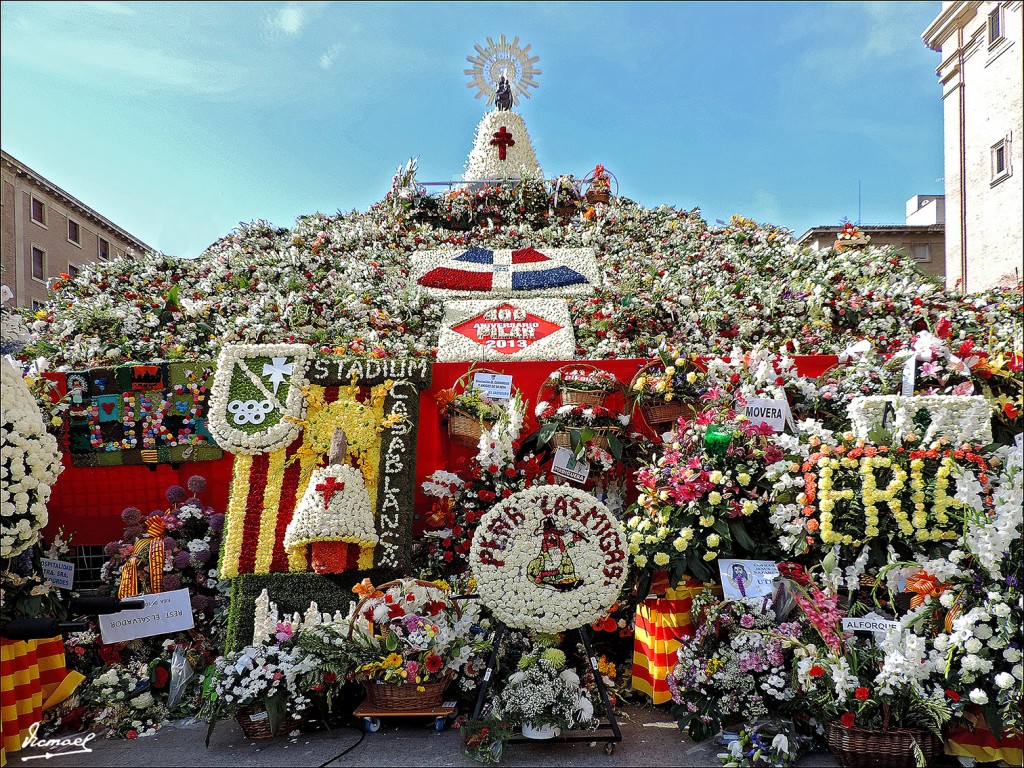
x=766 y=744
x=544 y=697
x=483 y=740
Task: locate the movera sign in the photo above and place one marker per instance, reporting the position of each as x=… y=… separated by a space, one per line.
x=774 y=413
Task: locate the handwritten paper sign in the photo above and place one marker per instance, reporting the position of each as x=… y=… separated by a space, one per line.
x=60 y=573
x=775 y=413
x=496 y=386
x=164 y=613
x=747 y=578
x=569 y=467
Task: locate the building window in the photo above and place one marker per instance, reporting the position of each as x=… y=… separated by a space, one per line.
x=104 y=250
x=38 y=211
x=72 y=271
x=995 y=25
x=922 y=252
x=74 y=232
x=38 y=264
x=1000 y=160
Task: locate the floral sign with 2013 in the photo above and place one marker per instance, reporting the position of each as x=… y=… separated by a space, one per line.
x=550 y=558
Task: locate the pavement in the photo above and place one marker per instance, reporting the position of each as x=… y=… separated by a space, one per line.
x=649 y=738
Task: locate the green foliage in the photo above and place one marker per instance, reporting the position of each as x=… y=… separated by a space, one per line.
x=293 y=592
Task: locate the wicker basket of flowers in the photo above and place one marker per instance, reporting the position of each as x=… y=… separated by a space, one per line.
x=466 y=411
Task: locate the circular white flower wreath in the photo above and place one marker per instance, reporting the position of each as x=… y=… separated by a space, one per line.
x=550 y=558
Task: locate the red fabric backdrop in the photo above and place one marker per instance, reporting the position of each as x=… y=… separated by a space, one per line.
x=87 y=501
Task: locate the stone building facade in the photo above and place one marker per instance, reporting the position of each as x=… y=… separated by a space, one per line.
x=983 y=107
x=46 y=231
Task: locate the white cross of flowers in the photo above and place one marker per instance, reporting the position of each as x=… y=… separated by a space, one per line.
x=277 y=370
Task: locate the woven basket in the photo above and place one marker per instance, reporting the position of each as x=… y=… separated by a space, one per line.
x=842 y=246
x=664 y=413
x=254 y=721
x=465 y=428
x=863 y=748
x=659 y=412
x=589 y=397
x=565 y=212
x=598 y=197
x=405 y=697
x=569 y=396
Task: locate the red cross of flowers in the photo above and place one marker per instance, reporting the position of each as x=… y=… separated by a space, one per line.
x=502 y=140
x=329 y=485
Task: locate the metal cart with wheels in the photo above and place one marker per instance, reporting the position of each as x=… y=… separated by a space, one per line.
x=371 y=716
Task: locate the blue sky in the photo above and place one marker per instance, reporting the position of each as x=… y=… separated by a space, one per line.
x=178 y=120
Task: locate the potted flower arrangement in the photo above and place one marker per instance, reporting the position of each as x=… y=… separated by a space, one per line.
x=404 y=642
x=259 y=685
x=467 y=411
x=704 y=498
x=577 y=426
x=662 y=387
x=882 y=701
x=531 y=199
x=543 y=697
x=599 y=185
x=735 y=669
x=565 y=196
x=491 y=204
x=457 y=210
x=850 y=238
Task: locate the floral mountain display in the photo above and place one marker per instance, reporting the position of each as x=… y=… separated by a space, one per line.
x=342 y=283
